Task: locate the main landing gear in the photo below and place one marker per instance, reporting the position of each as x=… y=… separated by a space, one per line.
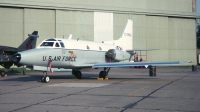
x=77 y=73
x=45 y=78
x=103 y=74
x=2 y=73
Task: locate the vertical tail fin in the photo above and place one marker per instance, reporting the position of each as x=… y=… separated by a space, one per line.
x=125 y=41
x=30 y=42
x=128 y=30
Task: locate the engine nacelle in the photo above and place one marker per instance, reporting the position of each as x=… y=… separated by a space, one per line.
x=117 y=54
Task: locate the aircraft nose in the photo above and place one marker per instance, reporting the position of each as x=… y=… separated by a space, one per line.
x=16 y=57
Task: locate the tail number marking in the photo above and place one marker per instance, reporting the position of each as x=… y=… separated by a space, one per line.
x=127 y=34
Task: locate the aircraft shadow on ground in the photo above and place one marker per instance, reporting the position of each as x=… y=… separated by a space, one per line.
x=37 y=77
x=12 y=72
x=22 y=79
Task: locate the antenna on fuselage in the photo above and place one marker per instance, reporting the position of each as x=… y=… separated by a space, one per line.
x=77 y=39
x=63 y=36
x=70 y=37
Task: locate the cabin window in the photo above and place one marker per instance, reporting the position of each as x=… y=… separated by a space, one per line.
x=48 y=44
x=62 y=44
x=57 y=45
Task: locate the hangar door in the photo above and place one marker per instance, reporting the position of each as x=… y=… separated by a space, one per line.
x=11 y=29
x=40 y=20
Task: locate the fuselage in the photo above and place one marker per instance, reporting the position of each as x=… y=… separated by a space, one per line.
x=65 y=53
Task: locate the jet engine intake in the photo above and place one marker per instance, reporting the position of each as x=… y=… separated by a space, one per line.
x=111 y=53
x=117 y=55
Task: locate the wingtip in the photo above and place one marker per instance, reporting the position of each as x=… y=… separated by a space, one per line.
x=188 y=61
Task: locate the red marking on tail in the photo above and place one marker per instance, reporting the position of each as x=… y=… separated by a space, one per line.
x=29 y=46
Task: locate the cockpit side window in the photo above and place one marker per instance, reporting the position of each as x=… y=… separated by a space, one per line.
x=57 y=45
x=48 y=44
x=62 y=44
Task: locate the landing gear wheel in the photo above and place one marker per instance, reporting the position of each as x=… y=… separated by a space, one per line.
x=46 y=79
x=102 y=74
x=78 y=74
x=2 y=73
x=73 y=71
x=42 y=79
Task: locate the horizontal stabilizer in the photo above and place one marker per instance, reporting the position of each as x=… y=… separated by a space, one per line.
x=141 y=50
x=133 y=50
x=33 y=36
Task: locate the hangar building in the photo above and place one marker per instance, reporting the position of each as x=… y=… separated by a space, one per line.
x=168 y=25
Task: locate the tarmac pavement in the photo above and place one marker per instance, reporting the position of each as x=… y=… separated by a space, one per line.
x=174 y=89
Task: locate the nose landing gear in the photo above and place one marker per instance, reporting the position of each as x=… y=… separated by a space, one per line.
x=45 y=78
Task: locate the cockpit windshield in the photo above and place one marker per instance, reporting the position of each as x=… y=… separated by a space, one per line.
x=51 y=39
x=48 y=44
x=52 y=43
x=62 y=44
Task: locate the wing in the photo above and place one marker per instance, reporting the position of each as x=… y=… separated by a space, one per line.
x=5 y=61
x=7 y=48
x=128 y=64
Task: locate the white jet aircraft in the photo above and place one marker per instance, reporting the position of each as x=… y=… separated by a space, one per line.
x=79 y=54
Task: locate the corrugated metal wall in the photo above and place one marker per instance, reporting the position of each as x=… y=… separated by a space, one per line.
x=11 y=26
x=78 y=23
x=167 y=5
x=40 y=20
x=174 y=36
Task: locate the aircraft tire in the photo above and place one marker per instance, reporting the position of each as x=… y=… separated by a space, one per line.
x=3 y=73
x=78 y=74
x=42 y=79
x=73 y=71
x=102 y=74
x=46 y=79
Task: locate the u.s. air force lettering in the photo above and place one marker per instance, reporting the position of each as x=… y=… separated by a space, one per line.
x=59 y=58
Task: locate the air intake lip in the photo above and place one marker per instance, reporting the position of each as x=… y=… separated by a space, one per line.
x=16 y=58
